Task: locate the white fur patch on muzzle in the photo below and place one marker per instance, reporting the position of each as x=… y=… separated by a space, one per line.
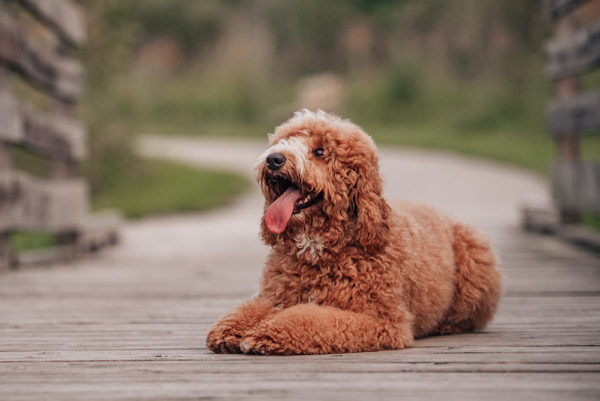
x=291 y=146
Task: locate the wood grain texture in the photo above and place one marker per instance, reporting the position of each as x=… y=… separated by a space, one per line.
x=575 y=115
x=30 y=203
x=135 y=330
x=62 y=16
x=51 y=135
x=60 y=76
x=577 y=186
x=559 y=8
x=573 y=54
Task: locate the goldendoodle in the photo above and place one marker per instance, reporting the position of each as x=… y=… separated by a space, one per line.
x=350 y=271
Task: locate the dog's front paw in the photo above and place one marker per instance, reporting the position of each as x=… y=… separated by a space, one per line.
x=262 y=343
x=224 y=339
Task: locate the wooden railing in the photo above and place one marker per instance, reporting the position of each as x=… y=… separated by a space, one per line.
x=573 y=52
x=37 y=41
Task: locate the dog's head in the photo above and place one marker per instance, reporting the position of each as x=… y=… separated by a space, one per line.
x=322 y=187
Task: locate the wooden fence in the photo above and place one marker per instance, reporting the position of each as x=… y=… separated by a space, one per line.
x=40 y=84
x=572 y=53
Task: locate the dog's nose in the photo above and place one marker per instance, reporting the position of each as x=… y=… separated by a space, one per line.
x=275 y=161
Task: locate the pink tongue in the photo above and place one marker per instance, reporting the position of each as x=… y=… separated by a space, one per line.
x=279 y=212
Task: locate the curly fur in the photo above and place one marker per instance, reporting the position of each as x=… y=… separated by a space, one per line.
x=352 y=273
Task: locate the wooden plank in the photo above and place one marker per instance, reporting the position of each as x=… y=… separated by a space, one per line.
x=574 y=115
x=58 y=75
x=559 y=8
x=62 y=16
x=30 y=203
x=576 y=186
x=569 y=55
x=52 y=135
x=159 y=381
x=204 y=359
x=185 y=368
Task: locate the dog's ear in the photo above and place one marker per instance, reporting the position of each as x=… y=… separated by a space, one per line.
x=369 y=209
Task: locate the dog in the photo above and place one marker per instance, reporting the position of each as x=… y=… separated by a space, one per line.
x=348 y=270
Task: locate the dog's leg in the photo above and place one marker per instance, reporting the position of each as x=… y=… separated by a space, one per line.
x=478 y=284
x=313 y=329
x=225 y=335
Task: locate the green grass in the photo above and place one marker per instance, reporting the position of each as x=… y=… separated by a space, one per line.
x=592 y=221
x=161 y=187
x=29 y=240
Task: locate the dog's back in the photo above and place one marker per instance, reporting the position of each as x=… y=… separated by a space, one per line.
x=448 y=270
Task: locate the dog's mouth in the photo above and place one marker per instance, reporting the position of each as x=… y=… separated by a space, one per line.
x=288 y=198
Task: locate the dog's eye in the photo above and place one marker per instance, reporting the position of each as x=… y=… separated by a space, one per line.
x=318 y=152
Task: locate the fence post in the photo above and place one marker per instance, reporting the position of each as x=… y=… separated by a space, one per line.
x=38 y=42
x=574 y=50
x=568 y=143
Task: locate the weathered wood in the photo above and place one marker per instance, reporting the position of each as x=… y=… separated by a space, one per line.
x=149 y=383
x=574 y=115
x=384 y=361
x=52 y=135
x=559 y=8
x=58 y=75
x=30 y=203
x=62 y=16
x=577 y=186
x=538 y=219
x=569 y=55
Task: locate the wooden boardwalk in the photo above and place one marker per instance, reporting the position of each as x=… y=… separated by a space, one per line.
x=130 y=323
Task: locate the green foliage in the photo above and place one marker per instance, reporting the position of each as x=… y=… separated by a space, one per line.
x=191 y=23
x=194 y=102
x=394 y=96
x=160 y=187
x=105 y=55
x=307 y=34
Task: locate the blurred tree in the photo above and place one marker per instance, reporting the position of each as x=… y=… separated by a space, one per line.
x=105 y=55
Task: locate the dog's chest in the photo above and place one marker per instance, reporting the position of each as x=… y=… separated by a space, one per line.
x=311 y=246
x=326 y=286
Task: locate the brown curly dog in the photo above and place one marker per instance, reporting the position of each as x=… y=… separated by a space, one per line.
x=347 y=271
